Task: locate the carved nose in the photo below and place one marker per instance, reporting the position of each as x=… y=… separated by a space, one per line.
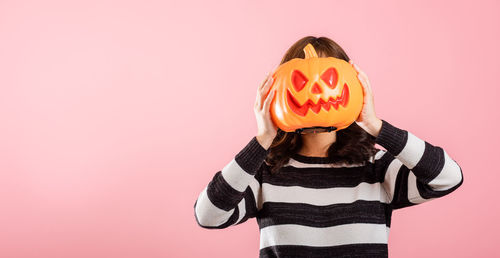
x=316 y=88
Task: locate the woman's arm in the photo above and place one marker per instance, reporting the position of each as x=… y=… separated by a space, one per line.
x=415 y=171
x=230 y=198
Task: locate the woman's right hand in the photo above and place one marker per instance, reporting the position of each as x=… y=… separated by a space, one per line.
x=267 y=130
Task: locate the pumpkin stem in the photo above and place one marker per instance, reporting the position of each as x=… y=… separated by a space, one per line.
x=309 y=51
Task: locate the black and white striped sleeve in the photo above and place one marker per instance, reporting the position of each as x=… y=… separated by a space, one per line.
x=415 y=171
x=230 y=198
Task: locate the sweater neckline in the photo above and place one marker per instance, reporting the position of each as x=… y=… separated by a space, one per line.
x=311 y=159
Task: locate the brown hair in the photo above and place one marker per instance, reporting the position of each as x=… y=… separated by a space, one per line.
x=353 y=145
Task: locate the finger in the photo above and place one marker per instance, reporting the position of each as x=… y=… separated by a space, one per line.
x=264 y=81
x=268 y=100
x=367 y=92
x=366 y=81
x=363 y=75
x=260 y=91
x=257 y=97
x=363 y=78
x=370 y=89
x=360 y=71
x=356 y=67
x=257 y=101
x=265 y=90
x=365 y=84
x=268 y=84
x=258 y=94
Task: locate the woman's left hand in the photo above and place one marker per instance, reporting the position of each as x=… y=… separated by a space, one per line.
x=367 y=118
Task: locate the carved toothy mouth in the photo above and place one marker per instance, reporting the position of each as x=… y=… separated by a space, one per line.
x=316 y=107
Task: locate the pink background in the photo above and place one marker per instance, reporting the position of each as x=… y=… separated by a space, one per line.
x=115 y=115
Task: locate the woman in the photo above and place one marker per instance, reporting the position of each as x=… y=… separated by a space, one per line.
x=325 y=194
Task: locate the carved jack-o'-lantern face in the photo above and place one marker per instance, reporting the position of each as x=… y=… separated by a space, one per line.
x=315 y=92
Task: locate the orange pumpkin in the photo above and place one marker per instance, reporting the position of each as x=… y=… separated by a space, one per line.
x=315 y=92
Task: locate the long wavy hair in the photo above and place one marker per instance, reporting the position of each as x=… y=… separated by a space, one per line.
x=353 y=145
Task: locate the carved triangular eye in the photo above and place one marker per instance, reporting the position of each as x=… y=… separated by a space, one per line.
x=299 y=80
x=330 y=77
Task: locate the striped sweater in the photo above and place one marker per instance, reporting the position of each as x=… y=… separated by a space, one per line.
x=314 y=208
